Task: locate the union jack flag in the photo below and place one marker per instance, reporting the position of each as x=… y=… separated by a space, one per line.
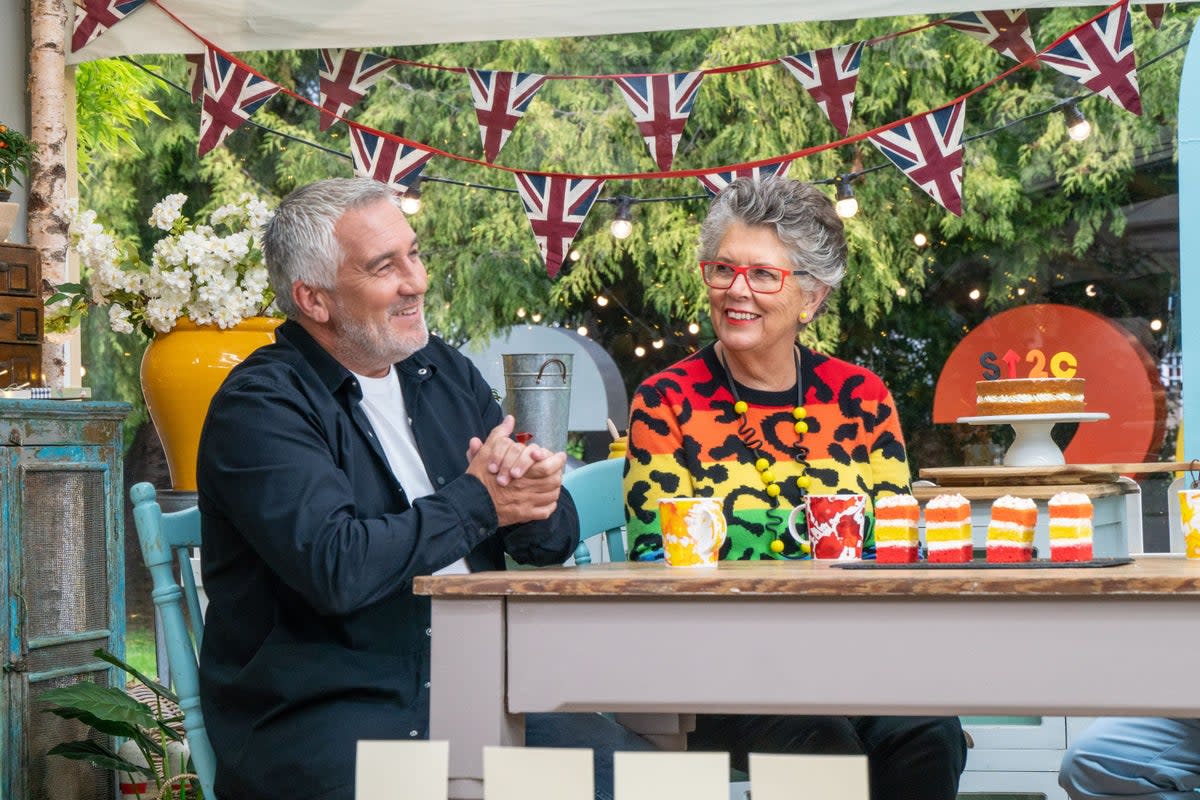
x=231 y=94
x=929 y=151
x=94 y=17
x=714 y=182
x=1154 y=11
x=500 y=101
x=1006 y=32
x=830 y=76
x=345 y=76
x=385 y=159
x=556 y=208
x=661 y=105
x=1099 y=54
x=195 y=75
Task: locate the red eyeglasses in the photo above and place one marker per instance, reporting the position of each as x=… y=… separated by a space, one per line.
x=760 y=278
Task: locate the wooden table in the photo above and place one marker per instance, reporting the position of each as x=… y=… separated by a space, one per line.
x=805 y=637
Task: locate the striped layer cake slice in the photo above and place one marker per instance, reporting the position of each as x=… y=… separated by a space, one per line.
x=1010 y=532
x=896 y=538
x=948 y=529
x=1070 y=527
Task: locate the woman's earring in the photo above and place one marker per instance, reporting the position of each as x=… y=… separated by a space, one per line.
x=803 y=316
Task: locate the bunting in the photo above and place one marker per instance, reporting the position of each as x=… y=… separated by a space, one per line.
x=94 y=17
x=500 y=101
x=714 y=182
x=1006 y=32
x=556 y=208
x=385 y=159
x=831 y=77
x=231 y=94
x=345 y=77
x=195 y=75
x=1100 y=56
x=661 y=105
x=1154 y=12
x=929 y=151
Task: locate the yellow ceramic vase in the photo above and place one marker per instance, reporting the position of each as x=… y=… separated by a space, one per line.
x=181 y=371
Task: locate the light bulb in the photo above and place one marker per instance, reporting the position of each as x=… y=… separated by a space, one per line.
x=601 y=301
x=657 y=344
x=639 y=351
x=847 y=204
x=582 y=330
x=1156 y=324
x=974 y=294
x=575 y=255
x=920 y=239
x=536 y=317
x=622 y=224
x=694 y=328
x=410 y=201
x=1078 y=128
x=521 y=313
x=410 y=205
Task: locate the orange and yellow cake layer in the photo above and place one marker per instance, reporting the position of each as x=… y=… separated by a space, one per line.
x=948 y=528
x=1029 y=396
x=896 y=538
x=1010 y=532
x=1070 y=527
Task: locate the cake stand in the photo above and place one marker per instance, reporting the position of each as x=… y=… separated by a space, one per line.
x=1033 y=446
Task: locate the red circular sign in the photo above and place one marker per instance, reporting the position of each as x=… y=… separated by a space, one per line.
x=1054 y=341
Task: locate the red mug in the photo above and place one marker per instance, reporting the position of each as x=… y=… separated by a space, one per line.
x=837 y=525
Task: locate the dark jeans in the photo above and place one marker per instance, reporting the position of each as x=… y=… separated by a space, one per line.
x=599 y=733
x=909 y=758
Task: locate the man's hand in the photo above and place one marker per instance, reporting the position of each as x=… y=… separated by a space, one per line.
x=523 y=480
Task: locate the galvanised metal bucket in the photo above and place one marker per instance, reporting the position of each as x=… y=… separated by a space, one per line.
x=538 y=394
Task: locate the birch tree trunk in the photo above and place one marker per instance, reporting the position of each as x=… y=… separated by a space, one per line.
x=48 y=179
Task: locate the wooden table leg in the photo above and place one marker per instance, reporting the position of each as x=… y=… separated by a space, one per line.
x=467 y=703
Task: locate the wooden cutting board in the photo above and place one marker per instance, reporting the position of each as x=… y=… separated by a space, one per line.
x=1040 y=491
x=1060 y=474
x=1020 y=476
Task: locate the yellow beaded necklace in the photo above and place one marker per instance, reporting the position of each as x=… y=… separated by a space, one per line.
x=763 y=462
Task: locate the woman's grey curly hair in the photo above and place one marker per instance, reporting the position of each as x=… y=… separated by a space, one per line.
x=802 y=216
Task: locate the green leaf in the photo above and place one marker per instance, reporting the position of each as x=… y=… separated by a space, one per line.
x=97 y=755
x=102 y=707
x=150 y=683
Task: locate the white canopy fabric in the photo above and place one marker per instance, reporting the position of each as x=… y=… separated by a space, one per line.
x=239 y=25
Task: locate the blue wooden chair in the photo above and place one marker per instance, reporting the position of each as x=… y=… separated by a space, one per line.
x=600 y=500
x=168 y=538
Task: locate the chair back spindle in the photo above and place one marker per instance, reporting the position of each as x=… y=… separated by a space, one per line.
x=167 y=539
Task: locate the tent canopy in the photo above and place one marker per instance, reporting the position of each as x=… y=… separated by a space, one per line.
x=240 y=25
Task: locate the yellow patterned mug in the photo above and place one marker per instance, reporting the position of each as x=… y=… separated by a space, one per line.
x=1189 y=510
x=693 y=530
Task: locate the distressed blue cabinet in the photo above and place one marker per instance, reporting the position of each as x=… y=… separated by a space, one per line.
x=61 y=512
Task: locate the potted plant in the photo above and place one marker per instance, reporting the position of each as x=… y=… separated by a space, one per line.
x=153 y=760
x=16 y=154
x=201 y=294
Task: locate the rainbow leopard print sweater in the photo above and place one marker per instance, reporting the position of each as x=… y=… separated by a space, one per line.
x=684 y=442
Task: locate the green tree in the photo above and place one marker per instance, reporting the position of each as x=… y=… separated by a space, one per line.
x=1032 y=197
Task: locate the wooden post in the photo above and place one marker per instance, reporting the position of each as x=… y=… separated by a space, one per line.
x=48 y=179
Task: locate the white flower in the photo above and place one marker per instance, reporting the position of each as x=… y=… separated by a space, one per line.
x=167 y=211
x=213 y=278
x=118 y=319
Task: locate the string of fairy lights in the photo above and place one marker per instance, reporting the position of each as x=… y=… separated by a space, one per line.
x=622 y=224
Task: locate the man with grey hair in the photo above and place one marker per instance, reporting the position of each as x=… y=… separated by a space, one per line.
x=353 y=454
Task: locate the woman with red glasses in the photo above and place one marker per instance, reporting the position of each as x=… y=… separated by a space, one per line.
x=760 y=420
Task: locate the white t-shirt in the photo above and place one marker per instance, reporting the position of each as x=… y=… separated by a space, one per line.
x=384 y=403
